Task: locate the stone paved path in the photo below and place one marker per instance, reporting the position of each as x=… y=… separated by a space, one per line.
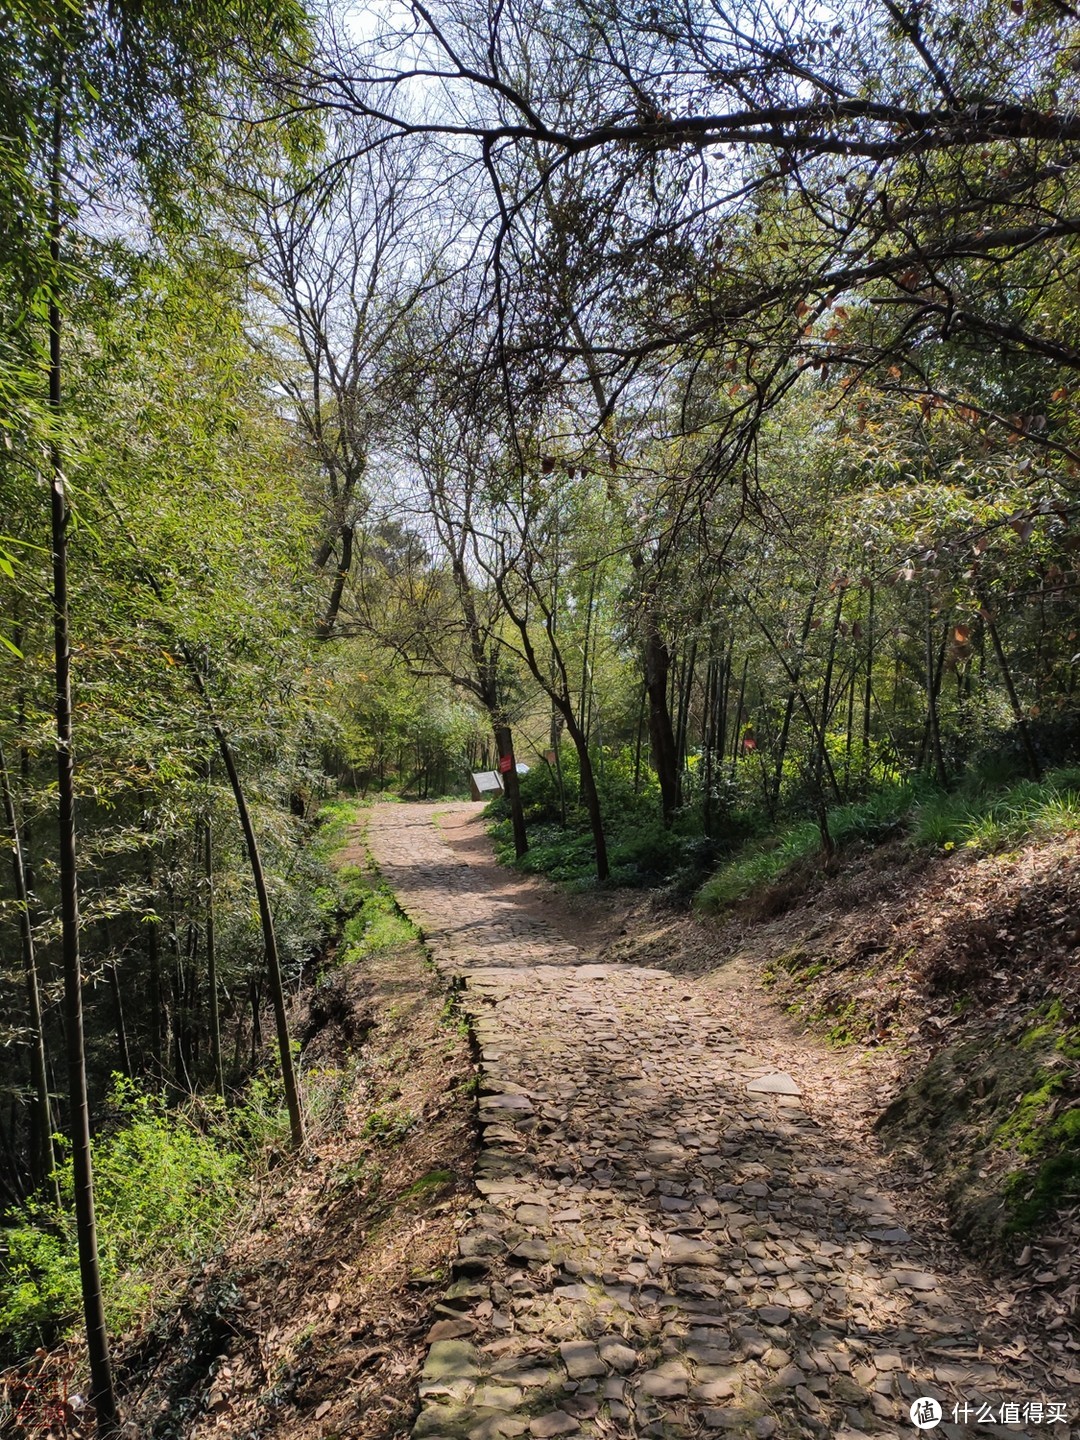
x=657 y=1248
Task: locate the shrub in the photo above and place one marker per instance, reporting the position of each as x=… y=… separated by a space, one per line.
x=650 y=850
x=164 y=1188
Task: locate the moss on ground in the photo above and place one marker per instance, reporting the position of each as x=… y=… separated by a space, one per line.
x=998 y=1120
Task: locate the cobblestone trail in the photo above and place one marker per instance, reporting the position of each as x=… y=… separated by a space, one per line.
x=658 y=1248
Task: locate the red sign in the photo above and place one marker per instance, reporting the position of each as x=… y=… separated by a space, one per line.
x=506 y=764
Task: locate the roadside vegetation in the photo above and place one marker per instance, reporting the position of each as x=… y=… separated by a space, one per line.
x=176 y=1176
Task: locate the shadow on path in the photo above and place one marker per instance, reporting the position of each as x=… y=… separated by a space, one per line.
x=660 y=1250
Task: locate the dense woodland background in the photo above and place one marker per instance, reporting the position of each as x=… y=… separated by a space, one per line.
x=680 y=399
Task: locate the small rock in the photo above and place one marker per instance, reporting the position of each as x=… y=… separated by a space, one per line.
x=530 y=1379
x=681 y=1251
x=888 y=1362
x=556 y=1422
x=713 y=1390
x=497 y=1397
x=532 y=1250
x=582 y=1407
x=479 y=1243
x=915 y=1279
x=618 y=1355
x=790 y=1377
x=581 y=1359
x=449 y=1330
x=778 y=1084
x=662 y=1387
x=808 y=1399
x=728 y=1417
x=451 y=1360
x=497 y=1427
x=532 y=1215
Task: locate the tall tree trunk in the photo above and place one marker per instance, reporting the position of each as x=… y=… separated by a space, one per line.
x=255 y=1000
x=820 y=756
x=657 y=663
x=933 y=681
x=123 y=1051
x=25 y=834
x=793 y=694
x=712 y=679
x=325 y=628
x=560 y=779
x=736 y=735
x=211 y=961
x=589 y=793
x=719 y=730
x=266 y=914
x=181 y=1013
x=586 y=674
x=42 y=1147
x=686 y=685
x=868 y=691
x=273 y=958
x=561 y=697
x=159 y=1023
x=102 y=1393
x=511 y=783
x=1034 y=767
x=637 y=744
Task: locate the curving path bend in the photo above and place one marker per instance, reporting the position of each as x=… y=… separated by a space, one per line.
x=663 y=1245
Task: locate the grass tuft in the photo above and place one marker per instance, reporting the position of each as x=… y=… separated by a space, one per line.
x=977 y=817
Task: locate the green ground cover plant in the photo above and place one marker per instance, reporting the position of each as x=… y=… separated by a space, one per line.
x=977 y=815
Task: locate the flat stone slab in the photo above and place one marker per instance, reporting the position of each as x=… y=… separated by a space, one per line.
x=555 y=1423
x=778 y=1084
x=581 y=1359
x=451 y=1360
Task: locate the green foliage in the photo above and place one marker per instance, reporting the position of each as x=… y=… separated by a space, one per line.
x=397 y=732
x=640 y=849
x=982 y=817
x=378 y=924
x=1000 y=1124
x=167 y=1182
x=430 y=1184
x=977 y=816
x=387 y=1125
x=764 y=862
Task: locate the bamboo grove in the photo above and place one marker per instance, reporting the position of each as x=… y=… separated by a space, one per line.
x=679 y=400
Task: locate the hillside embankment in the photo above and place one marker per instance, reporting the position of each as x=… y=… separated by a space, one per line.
x=555 y=1203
